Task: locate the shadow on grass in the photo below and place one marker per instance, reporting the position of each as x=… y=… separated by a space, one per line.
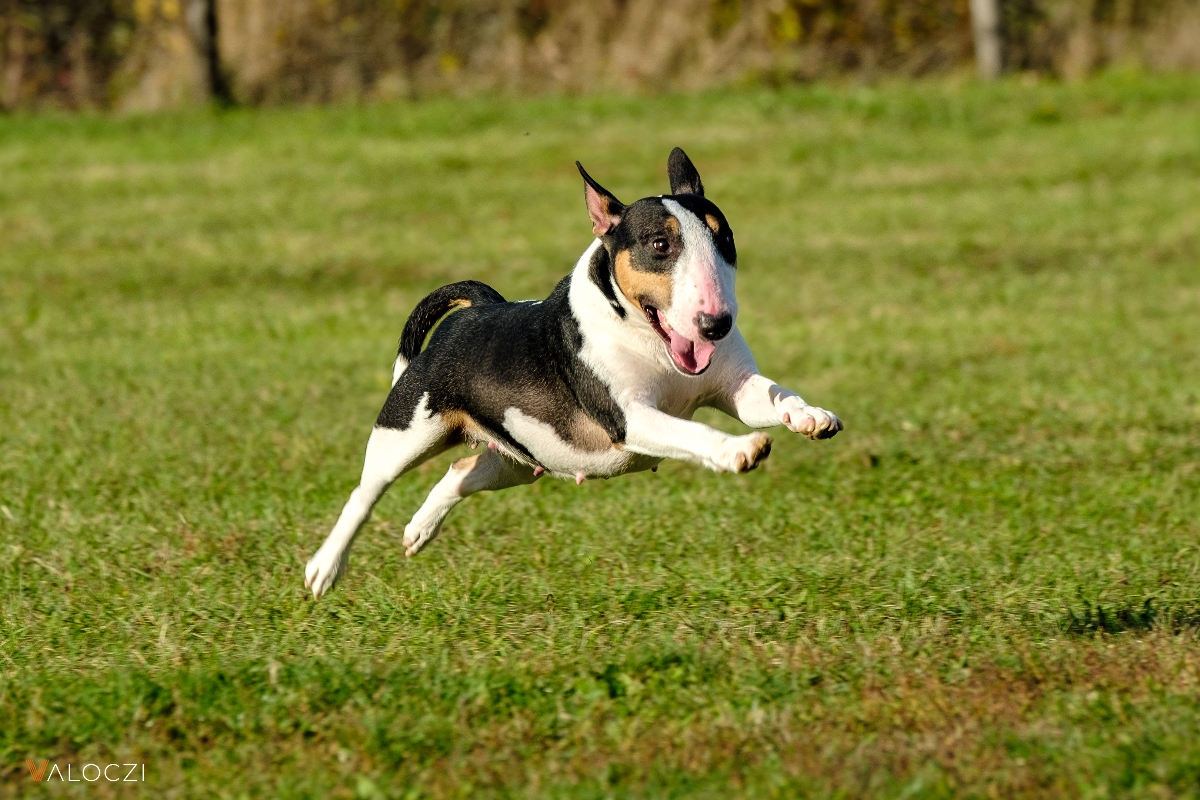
x=1117 y=618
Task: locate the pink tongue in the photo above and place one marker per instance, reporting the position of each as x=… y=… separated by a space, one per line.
x=690 y=356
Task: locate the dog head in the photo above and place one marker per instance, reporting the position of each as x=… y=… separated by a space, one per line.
x=673 y=258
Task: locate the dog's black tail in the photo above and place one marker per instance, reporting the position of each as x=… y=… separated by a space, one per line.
x=433 y=308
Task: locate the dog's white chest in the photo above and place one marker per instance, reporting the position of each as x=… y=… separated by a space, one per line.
x=592 y=458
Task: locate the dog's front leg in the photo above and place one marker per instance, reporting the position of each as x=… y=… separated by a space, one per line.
x=650 y=432
x=759 y=402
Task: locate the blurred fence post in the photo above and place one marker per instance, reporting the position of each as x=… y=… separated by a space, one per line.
x=985 y=26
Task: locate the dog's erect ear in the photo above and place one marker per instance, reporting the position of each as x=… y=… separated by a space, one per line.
x=684 y=177
x=604 y=209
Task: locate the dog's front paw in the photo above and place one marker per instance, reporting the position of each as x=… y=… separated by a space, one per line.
x=323 y=570
x=810 y=421
x=743 y=453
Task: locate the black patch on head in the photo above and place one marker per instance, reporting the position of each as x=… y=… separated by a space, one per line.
x=723 y=235
x=486 y=359
x=683 y=175
x=646 y=238
x=645 y=223
x=600 y=270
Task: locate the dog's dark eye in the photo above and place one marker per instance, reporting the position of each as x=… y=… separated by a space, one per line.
x=660 y=245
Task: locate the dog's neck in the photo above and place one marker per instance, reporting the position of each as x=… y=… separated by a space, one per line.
x=605 y=331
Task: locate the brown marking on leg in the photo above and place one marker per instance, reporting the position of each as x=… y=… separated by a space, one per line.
x=465 y=464
x=640 y=287
x=461 y=428
x=586 y=434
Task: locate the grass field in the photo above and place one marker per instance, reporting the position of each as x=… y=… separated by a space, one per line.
x=987 y=585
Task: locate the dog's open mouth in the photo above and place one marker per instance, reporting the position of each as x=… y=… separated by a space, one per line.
x=690 y=357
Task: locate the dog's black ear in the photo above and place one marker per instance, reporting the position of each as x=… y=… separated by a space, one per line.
x=604 y=209
x=684 y=177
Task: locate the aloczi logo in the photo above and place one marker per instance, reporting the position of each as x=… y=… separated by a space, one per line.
x=90 y=773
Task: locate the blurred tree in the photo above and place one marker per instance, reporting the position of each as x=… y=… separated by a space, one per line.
x=209 y=36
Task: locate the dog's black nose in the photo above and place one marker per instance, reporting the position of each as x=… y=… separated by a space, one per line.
x=714 y=328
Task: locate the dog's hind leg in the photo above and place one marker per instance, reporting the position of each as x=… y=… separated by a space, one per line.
x=485 y=472
x=390 y=453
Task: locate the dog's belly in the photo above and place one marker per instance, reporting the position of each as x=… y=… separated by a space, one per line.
x=593 y=456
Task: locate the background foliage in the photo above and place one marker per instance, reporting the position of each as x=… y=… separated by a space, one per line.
x=156 y=53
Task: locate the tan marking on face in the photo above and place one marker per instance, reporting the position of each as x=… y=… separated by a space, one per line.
x=586 y=434
x=640 y=287
x=713 y=224
x=672 y=226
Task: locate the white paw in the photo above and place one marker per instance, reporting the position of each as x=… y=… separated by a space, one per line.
x=742 y=453
x=417 y=535
x=813 y=422
x=323 y=570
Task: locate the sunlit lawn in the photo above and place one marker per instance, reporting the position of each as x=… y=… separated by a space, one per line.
x=989 y=583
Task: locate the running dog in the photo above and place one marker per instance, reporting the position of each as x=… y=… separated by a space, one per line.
x=599 y=379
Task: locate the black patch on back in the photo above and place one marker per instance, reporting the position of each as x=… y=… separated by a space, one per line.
x=600 y=271
x=435 y=306
x=486 y=359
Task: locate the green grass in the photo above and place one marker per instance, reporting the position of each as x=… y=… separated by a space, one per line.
x=988 y=585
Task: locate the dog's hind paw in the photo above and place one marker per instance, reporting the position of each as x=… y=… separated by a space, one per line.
x=810 y=421
x=323 y=570
x=417 y=536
